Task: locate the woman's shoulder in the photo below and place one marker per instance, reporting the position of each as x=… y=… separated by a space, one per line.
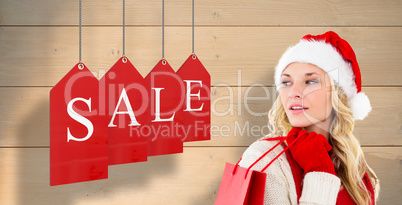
x=264 y=144
x=267 y=142
x=259 y=148
x=278 y=175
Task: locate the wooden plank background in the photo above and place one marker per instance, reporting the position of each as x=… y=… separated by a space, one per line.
x=239 y=42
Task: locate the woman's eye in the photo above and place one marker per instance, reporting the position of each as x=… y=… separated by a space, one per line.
x=285 y=83
x=312 y=82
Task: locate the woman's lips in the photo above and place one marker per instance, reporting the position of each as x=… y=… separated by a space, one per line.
x=298 y=111
x=299 y=108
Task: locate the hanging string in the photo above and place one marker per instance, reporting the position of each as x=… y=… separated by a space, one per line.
x=124 y=26
x=124 y=32
x=80 y=66
x=193 y=27
x=163 y=31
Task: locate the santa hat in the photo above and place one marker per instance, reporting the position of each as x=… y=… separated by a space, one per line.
x=337 y=58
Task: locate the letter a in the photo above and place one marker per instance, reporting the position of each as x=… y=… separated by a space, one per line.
x=129 y=111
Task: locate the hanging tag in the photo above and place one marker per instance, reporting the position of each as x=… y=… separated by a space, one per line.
x=78 y=135
x=126 y=106
x=166 y=91
x=197 y=104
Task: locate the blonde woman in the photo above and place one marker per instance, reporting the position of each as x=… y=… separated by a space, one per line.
x=320 y=97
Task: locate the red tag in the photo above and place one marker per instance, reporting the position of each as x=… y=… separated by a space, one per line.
x=197 y=104
x=166 y=91
x=78 y=135
x=126 y=103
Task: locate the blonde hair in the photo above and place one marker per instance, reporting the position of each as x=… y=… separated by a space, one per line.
x=347 y=155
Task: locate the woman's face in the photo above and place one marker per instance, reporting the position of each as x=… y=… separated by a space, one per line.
x=306 y=95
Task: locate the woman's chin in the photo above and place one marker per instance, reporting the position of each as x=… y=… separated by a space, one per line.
x=300 y=124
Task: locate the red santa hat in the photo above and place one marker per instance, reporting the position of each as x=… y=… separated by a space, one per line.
x=336 y=57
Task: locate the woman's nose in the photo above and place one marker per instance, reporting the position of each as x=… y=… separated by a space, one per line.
x=296 y=91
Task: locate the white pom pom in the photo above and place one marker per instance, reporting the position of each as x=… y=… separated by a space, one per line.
x=360 y=105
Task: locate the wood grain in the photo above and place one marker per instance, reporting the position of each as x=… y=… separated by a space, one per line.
x=41 y=56
x=207 y=12
x=239 y=43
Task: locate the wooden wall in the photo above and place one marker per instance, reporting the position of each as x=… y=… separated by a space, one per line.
x=239 y=42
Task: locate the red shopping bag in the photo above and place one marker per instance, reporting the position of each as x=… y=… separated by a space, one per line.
x=241 y=185
x=238 y=186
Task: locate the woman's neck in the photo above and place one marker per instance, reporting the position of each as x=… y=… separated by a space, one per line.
x=318 y=130
x=321 y=127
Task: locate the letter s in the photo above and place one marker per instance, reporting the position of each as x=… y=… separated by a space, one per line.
x=88 y=124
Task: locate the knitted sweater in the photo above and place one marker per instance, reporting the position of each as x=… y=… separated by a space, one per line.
x=318 y=187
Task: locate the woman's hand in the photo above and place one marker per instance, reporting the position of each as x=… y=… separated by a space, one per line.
x=310 y=151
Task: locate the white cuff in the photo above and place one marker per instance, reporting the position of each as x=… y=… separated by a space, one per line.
x=320 y=188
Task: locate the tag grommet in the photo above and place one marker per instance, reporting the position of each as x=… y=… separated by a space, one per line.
x=80 y=66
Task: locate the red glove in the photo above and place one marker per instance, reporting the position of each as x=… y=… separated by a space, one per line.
x=310 y=151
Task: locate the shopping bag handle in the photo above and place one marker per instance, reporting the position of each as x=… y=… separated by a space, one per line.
x=262 y=156
x=235 y=167
x=284 y=150
x=234 y=170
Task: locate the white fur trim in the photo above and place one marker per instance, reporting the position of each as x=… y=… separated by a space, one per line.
x=322 y=55
x=327 y=58
x=360 y=105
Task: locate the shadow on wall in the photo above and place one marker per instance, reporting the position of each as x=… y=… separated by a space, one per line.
x=33 y=170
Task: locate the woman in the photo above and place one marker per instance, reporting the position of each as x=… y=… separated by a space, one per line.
x=320 y=96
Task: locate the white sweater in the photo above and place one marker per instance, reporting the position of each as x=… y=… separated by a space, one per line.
x=318 y=187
